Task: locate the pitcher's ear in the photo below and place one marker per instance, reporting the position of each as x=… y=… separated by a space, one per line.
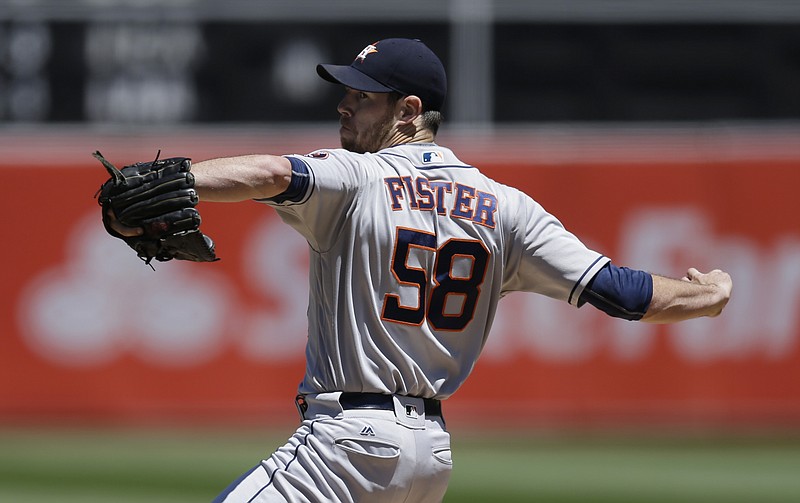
x=411 y=108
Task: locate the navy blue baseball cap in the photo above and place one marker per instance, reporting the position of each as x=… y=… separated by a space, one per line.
x=404 y=65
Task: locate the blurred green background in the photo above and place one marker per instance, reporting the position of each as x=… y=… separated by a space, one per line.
x=190 y=465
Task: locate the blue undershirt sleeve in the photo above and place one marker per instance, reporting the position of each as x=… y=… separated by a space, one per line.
x=619 y=292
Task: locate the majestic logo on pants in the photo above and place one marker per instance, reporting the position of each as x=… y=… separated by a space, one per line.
x=367 y=431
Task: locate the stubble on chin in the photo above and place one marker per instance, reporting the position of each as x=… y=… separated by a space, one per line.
x=355 y=146
x=348 y=144
x=372 y=141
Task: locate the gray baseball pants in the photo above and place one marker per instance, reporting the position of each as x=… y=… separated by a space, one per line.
x=396 y=453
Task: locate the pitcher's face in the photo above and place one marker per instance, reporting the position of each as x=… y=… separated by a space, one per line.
x=366 y=119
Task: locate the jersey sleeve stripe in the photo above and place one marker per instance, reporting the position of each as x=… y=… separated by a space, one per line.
x=585 y=277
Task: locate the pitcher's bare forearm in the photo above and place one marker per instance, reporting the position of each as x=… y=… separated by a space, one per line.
x=241 y=178
x=694 y=296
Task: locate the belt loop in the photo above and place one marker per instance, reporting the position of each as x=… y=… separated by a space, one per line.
x=302 y=406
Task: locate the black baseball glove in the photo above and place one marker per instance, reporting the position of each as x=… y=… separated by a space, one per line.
x=158 y=197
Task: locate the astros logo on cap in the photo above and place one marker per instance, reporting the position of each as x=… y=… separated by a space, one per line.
x=367 y=50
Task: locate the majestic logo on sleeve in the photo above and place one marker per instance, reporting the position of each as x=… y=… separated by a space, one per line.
x=366 y=52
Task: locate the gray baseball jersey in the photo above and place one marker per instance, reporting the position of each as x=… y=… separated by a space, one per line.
x=411 y=250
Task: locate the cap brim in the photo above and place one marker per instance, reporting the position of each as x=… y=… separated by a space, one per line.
x=350 y=77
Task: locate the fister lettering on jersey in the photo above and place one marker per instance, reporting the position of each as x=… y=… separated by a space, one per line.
x=443 y=197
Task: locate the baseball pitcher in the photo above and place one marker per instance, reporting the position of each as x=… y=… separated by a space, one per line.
x=411 y=251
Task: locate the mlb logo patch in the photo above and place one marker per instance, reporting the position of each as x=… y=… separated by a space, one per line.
x=431 y=157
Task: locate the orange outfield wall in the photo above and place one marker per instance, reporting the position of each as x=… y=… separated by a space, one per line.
x=89 y=333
